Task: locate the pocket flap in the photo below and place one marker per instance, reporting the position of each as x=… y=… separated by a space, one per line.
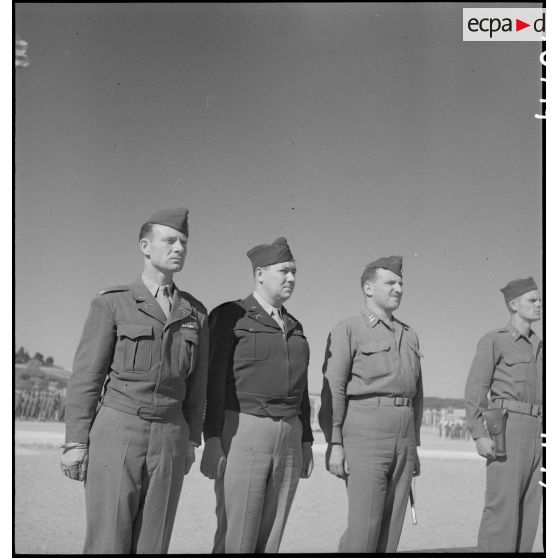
x=133 y=331
x=376 y=347
x=516 y=359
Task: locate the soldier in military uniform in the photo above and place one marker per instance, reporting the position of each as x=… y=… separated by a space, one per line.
x=143 y=354
x=508 y=366
x=257 y=429
x=371 y=411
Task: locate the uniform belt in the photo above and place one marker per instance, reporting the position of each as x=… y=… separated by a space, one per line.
x=272 y=406
x=395 y=401
x=519 y=407
x=144 y=411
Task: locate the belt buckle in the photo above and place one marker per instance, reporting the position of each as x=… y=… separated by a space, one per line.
x=145 y=412
x=399 y=401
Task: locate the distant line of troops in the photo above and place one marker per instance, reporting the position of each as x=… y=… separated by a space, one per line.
x=155 y=359
x=42 y=405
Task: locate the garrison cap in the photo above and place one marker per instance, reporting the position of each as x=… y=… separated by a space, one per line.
x=174 y=218
x=517 y=287
x=268 y=254
x=391 y=263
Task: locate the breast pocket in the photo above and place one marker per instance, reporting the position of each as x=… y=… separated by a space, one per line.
x=188 y=354
x=416 y=355
x=298 y=347
x=518 y=367
x=133 y=347
x=376 y=359
x=252 y=344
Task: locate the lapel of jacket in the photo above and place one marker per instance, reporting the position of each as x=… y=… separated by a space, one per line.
x=255 y=311
x=290 y=322
x=181 y=307
x=146 y=301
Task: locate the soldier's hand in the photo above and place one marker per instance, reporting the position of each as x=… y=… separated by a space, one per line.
x=74 y=463
x=214 y=461
x=485 y=447
x=307 y=460
x=337 y=463
x=416 y=471
x=190 y=457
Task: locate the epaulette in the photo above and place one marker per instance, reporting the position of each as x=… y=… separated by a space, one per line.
x=115 y=289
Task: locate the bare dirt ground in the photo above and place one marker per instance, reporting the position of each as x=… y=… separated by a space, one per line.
x=50 y=516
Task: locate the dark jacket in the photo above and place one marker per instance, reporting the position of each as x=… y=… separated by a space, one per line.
x=254 y=368
x=142 y=358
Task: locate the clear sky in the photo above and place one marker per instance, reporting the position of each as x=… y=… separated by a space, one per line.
x=356 y=131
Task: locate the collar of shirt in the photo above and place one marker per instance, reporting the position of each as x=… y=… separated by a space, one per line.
x=153 y=287
x=532 y=338
x=265 y=305
x=374 y=319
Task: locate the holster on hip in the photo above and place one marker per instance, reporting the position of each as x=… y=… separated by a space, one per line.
x=495 y=420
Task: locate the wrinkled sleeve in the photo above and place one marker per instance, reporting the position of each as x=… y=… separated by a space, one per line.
x=196 y=386
x=90 y=368
x=221 y=352
x=477 y=386
x=336 y=369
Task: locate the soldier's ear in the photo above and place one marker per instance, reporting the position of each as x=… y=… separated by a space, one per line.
x=368 y=289
x=144 y=246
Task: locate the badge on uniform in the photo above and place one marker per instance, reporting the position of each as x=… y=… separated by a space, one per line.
x=190 y=325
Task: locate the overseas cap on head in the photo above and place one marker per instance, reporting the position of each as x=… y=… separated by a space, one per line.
x=268 y=254
x=517 y=287
x=174 y=218
x=392 y=263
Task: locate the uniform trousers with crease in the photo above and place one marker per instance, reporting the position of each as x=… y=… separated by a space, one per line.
x=380 y=450
x=513 y=495
x=133 y=483
x=254 y=496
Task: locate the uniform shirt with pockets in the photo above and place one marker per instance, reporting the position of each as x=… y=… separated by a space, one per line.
x=366 y=356
x=129 y=348
x=508 y=366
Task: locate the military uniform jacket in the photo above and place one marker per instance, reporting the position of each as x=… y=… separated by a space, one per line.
x=507 y=365
x=254 y=367
x=365 y=357
x=141 y=358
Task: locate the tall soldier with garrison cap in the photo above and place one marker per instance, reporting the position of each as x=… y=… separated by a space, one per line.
x=371 y=411
x=257 y=429
x=143 y=357
x=508 y=368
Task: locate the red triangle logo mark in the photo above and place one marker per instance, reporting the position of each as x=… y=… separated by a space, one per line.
x=519 y=25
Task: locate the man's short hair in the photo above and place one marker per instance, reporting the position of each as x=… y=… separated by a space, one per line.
x=146 y=231
x=368 y=276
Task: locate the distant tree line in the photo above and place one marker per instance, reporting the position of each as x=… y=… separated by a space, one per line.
x=22 y=357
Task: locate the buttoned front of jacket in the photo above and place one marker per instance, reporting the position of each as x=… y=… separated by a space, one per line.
x=366 y=357
x=130 y=347
x=254 y=366
x=506 y=365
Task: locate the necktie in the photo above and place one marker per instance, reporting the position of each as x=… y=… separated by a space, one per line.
x=277 y=317
x=163 y=298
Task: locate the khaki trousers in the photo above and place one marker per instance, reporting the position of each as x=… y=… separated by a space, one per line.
x=254 y=497
x=133 y=483
x=513 y=495
x=380 y=450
